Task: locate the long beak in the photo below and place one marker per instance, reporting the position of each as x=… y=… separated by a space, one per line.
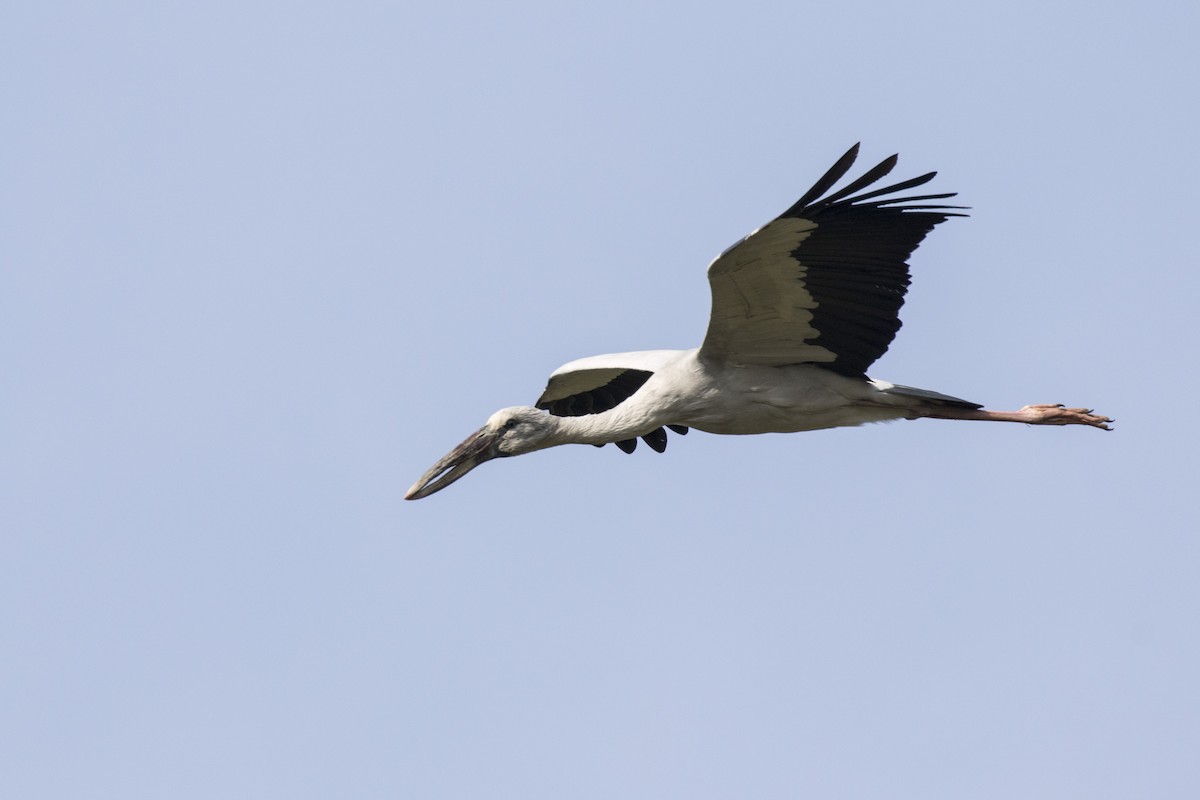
x=478 y=448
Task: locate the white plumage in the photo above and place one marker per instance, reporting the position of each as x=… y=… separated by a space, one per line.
x=800 y=309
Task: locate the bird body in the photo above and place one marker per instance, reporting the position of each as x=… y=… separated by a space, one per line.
x=750 y=399
x=801 y=308
x=745 y=399
x=690 y=391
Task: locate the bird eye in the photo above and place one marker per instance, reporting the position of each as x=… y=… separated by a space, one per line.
x=508 y=426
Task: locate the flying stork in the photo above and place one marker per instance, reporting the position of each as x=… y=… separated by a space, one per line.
x=800 y=309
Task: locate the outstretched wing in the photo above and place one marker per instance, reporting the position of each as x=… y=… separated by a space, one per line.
x=823 y=283
x=595 y=385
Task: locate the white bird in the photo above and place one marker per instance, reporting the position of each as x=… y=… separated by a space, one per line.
x=800 y=309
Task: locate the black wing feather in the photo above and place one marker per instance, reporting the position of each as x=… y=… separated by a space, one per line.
x=826 y=182
x=856 y=262
x=600 y=399
x=872 y=175
x=657 y=439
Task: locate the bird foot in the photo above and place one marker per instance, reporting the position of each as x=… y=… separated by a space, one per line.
x=1058 y=414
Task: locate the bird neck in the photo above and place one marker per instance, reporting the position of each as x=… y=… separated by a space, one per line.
x=614 y=425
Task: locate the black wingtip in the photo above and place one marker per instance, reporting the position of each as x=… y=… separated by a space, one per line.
x=870 y=176
x=657 y=439
x=831 y=176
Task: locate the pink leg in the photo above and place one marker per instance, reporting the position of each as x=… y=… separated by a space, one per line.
x=1055 y=414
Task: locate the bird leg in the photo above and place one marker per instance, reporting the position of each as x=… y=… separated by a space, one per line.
x=1045 y=414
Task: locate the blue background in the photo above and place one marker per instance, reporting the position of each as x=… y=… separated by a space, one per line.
x=261 y=264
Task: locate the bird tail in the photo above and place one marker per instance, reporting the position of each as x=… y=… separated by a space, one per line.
x=925 y=394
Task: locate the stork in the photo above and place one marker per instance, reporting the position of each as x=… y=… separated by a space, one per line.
x=800 y=309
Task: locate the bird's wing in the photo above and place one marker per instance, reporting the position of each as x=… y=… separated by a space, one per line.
x=823 y=283
x=585 y=375
x=599 y=383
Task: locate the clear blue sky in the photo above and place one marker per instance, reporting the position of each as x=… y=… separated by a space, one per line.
x=262 y=263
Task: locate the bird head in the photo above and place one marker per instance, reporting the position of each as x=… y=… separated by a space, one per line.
x=508 y=432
